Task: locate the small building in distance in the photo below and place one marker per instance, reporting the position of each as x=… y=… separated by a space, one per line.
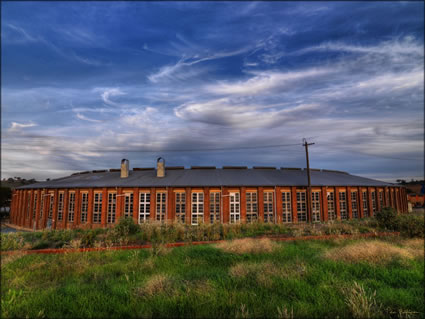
x=201 y=194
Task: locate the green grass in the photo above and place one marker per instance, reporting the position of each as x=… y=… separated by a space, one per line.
x=205 y=281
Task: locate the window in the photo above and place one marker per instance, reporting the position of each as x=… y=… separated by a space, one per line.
x=381 y=199
x=315 y=205
x=197 y=208
x=180 y=206
x=354 y=205
x=365 y=206
x=112 y=205
x=373 y=195
x=71 y=207
x=331 y=206
x=286 y=207
x=60 y=206
x=42 y=204
x=84 y=206
x=235 y=213
x=144 y=207
x=343 y=205
x=34 y=207
x=128 y=205
x=52 y=197
x=28 y=203
x=251 y=207
x=215 y=207
x=268 y=207
x=97 y=208
x=160 y=206
x=301 y=207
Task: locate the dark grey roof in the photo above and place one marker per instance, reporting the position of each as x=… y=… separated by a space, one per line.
x=209 y=178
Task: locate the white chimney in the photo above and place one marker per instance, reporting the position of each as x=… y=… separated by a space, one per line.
x=125 y=165
x=160 y=167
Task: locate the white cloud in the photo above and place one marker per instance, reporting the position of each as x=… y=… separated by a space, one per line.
x=16 y=127
x=265 y=81
x=107 y=93
x=84 y=118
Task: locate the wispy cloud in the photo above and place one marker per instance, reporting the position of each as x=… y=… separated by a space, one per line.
x=15 y=126
x=85 y=118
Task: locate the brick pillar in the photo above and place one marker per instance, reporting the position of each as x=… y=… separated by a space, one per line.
x=337 y=204
x=294 y=204
x=55 y=209
x=397 y=199
x=378 y=202
x=18 y=212
x=136 y=200
x=384 y=198
x=119 y=204
x=31 y=208
x=243 y=204
x=260 y=204
x=37 y=209
x=77 y=209
x=207 y=205
x=46 y=204
x=225 y=205
x=404 y=200
x=170 y=205
x=90 y=208
x=188 y=206
x=278 y=209
x=349 y=208
x=370 y=203
x=103 y=217
x=324 y=204
x=360 y=199
x=153 y=204
x=21 y=200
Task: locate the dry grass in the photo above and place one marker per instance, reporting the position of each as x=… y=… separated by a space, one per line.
x=264 y=272
x=248 y=246
x=369 y=251
x=415 y=247
x=362 y=304
x=156 y=284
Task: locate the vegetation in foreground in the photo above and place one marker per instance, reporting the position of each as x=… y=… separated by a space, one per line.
x=242 y=278
x=128 y=233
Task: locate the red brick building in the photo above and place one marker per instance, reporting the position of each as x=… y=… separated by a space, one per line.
x=200 y=194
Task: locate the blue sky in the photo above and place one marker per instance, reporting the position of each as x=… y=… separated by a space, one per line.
x=81 y=78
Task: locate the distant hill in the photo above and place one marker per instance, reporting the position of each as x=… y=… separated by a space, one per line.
x=12 y=183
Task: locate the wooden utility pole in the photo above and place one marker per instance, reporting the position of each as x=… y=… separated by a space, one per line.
x=309 y=208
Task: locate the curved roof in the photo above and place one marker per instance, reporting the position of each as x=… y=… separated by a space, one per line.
x=208 y=178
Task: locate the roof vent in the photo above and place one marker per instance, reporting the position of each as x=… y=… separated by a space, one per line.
x=202 y=167
x=125 y=166
x=160 y=167
x=235 y=167
x=263 y=167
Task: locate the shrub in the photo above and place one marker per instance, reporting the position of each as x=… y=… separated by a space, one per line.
x=127 y=226
x=387 y=218
x=410 y=225
x=41 y=244
x=88 y=239
x=12 y=241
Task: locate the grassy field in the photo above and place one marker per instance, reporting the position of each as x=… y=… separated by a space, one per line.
x=242 y=278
